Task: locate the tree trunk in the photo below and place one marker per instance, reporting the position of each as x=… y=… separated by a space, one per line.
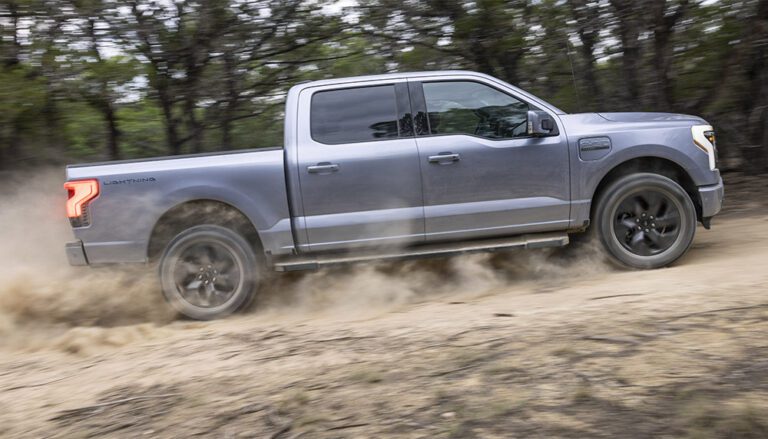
x=588 y=28
x=171 y=130
x=510 y=61
x=12 y=58
x=756 y=98
x=14 y=143
x=194 y=127
x=51 y=116
x=113 y=133
x=629 y=32
x=103 y=101
x=662 y=86
x=479 y=56
x=226 y=134
x=663 y=31
x=195 y=62
x=233 y=98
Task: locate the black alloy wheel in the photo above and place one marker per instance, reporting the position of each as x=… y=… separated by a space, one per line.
x=647 y=223
x=645 y=220
x=208 y=272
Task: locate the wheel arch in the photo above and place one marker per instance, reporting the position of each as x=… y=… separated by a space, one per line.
x=191 y=213
x=651 y=164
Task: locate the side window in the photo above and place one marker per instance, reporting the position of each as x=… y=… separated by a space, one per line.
x=465 y=107
x=353 y=115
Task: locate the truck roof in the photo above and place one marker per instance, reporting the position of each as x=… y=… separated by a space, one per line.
x=296 y=89
x=398 y=75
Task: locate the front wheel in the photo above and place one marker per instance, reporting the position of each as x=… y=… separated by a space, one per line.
x=208 y=272
x=645 y=220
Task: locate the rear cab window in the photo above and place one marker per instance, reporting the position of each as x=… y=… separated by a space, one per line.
x=353 y=115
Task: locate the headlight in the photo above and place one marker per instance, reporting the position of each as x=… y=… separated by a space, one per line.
x=704 y=138
x=710 y=135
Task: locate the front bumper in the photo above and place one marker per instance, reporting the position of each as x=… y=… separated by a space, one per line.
x=711 y=199
x=76 y=253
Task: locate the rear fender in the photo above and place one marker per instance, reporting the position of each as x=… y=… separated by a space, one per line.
x=273 y=230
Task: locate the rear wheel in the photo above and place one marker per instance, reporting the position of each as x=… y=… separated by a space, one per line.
x=208 y=272
x=645 y=220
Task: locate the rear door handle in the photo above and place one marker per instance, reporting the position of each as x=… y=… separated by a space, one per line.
x=323 y=168
x=444 y=158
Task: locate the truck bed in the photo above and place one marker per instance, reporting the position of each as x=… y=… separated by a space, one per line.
x=134 y=195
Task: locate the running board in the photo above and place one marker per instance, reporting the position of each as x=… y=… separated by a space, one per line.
x=314 y=262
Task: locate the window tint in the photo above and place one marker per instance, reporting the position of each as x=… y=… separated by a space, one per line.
x=354 y=115
x=464 y=107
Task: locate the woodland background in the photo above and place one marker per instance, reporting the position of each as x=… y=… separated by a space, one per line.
x=84 y=80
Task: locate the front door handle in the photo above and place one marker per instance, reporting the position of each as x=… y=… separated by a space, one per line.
x=323 y=168
x=444 y=158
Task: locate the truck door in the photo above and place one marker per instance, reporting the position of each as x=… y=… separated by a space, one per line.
x=358 y=167
x=482 y=175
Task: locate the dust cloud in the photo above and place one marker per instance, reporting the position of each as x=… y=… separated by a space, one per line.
x=46 y=303
x=369 y=289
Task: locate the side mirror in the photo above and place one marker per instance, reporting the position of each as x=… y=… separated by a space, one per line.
x=541 y=124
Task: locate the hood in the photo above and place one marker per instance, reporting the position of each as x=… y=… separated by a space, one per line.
x=651 y=117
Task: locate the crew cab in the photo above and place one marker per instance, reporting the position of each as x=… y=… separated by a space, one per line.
x=397 y=166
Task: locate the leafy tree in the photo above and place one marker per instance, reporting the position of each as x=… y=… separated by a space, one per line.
x=95 y=78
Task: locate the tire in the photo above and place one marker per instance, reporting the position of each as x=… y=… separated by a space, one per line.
x=208 y=272
x=645 y=221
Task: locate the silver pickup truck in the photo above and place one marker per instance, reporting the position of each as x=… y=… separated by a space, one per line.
x=396 y=166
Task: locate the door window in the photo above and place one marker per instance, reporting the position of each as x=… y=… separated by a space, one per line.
x=466 y=107
x=354 y=115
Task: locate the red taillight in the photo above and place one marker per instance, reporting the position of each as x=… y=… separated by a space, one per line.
x=80 y=192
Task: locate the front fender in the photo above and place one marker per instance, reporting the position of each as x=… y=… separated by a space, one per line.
x=590 y=180
x=629 y=142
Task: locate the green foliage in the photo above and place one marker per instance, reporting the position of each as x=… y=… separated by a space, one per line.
x=23 y=100
x=98 y=79
x=23 y=96
x=142 y=129
x=81 y=126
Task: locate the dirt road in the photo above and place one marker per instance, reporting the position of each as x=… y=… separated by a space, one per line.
x=537 y=344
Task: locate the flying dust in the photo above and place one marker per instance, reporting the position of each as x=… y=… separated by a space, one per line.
x=46 y=303
x=363 y=290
